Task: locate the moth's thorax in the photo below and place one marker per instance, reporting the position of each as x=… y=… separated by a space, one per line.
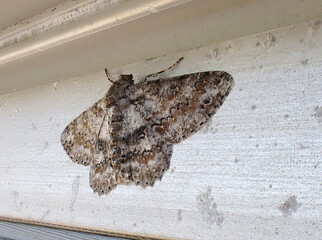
x=125 y=79
x=117 y=89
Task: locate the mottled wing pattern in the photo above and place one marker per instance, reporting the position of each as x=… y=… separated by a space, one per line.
x=103 y=176
x=148 y=153
x=177 y=107
x=111 y=163
x=128 y=135
x=150 y=162
x=127 y=151
x=166 y=111
x=79 y=137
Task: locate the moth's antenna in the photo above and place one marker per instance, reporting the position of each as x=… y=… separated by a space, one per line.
x=167 y=69
x=108 y=76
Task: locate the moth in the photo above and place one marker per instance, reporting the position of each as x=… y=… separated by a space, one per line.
x=128 y=135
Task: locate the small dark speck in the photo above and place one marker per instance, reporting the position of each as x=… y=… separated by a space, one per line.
x=234 y=127
x=317 y=24
x=179 y=215
x=257 y=145
x=172 y=170
x=236 y=160
x=253 y=107
x=240 y=89
x=316 y=164
x=270 y=186
x=46 y=145
x=303 y=147
x=258 y=44
x=318 y=113
x=250 y=136
x=276 y=231
x=275 y=144
x=304 y=62
x=134 y=224
x=286 y=116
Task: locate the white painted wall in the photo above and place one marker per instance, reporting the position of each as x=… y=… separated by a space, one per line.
x=253 y=173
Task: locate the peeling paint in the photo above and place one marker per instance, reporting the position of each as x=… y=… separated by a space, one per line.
x=208 y=208
x=19 y=32
x=179 y=218
x=305 y=62
x=214 y=54
x=318 y=113
x=55 y=86
x=269 y=41
x=75 y=189
x=289 y=206
x=303 y=147
x=153 y=9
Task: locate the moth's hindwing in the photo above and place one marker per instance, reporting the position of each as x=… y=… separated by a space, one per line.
x=79 y=137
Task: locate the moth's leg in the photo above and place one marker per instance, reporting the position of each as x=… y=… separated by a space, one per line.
x=108 y=77
x=167 y=69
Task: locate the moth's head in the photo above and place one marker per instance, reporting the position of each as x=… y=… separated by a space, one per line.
x=125 y=79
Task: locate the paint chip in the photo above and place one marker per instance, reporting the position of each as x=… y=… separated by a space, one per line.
x=305 y=62
x=289 y=206
x=208 y=208
x=318 y=113
x=179 y=215
x=269 y=41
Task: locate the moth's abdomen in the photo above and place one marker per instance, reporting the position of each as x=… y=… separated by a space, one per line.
x=110 y=165
x=117 y=148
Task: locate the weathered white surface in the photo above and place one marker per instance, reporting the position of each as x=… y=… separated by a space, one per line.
x=258 y=161
x=59 y=43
